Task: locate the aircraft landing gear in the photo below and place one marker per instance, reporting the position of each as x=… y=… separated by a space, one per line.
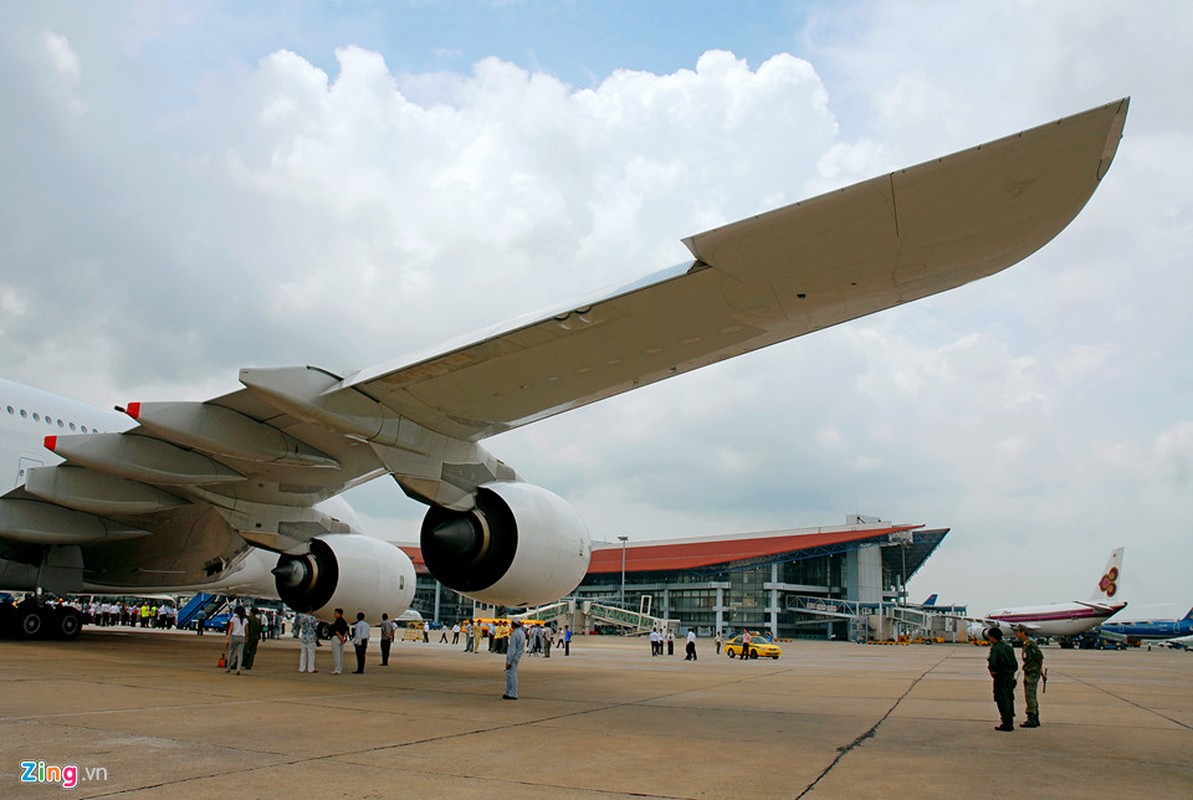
x=66 y=623
x=30 y=619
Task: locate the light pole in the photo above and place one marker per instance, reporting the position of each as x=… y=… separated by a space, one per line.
x=623 y=540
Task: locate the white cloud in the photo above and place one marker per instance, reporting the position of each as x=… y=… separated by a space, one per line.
x=67 y=69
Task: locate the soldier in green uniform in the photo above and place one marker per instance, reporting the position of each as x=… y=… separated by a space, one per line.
x=1002 y=665
x=254 y=636
x=1033 y=666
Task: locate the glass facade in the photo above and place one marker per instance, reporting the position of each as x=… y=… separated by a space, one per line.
x=761 y=595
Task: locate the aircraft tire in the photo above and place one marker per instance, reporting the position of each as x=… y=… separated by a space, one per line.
x=66 y=624
x=31 y=621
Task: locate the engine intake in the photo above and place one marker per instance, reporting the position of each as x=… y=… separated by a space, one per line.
x=519 y=546
x=349 y=571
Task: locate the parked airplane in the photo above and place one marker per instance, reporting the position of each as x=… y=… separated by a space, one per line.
x=1151 y=628
x=1062 y=619
x=931 y=601
x=195 y=496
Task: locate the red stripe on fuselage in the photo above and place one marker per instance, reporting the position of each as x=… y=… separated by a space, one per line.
x=1076 y=613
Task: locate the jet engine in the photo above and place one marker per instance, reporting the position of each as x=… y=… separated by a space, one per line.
x=519 y=546
x=349 y=571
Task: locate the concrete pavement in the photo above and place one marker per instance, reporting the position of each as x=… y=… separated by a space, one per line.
x=152 y=711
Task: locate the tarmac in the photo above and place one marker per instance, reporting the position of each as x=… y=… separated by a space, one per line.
x=147 y=714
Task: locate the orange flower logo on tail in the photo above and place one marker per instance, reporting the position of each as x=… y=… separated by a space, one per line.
x=1109 y=582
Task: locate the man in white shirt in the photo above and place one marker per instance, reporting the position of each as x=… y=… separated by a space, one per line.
x=360 y=641
x=691 y=648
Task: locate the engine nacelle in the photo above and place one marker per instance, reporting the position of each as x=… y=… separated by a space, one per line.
x=519 y=546
x=349 y=571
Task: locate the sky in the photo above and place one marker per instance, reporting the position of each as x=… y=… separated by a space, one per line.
x=189 y=189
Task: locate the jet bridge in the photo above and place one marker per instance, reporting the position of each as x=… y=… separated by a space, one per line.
x=634 y=622
x=874 y=621
x=591 y=613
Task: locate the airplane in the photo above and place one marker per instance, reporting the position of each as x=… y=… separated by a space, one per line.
x=1062 y=619
x=1151 y=628
x=242 y=490
x=931 y=601
x=1177 y=643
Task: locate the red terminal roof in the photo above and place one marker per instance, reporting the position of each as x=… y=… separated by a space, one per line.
x=689 y=554
x=695 y=553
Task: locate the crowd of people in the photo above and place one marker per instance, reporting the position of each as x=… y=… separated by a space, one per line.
x=246 y=628
x=109 y=613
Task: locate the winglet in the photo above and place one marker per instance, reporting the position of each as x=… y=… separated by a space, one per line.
x=1113 y=136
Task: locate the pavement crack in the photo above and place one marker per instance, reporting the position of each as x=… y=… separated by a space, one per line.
x=1127 y=700
x=869 y=734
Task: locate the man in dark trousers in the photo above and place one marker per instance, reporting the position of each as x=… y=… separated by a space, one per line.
x=387 y=638
x=254 y=636
x=1033 y=667
x=1002 y=665
x=360 y=641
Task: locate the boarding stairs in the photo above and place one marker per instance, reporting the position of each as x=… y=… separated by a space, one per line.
x=209 y=603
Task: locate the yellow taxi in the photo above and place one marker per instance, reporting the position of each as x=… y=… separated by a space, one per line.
x=761 y=646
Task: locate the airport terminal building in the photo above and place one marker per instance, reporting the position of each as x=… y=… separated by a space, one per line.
x=842 y=582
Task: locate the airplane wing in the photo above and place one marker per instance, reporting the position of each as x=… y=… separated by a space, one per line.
x=977 y=625
x=773 y=277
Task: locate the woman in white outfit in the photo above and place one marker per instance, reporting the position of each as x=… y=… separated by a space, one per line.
x=238 y=628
